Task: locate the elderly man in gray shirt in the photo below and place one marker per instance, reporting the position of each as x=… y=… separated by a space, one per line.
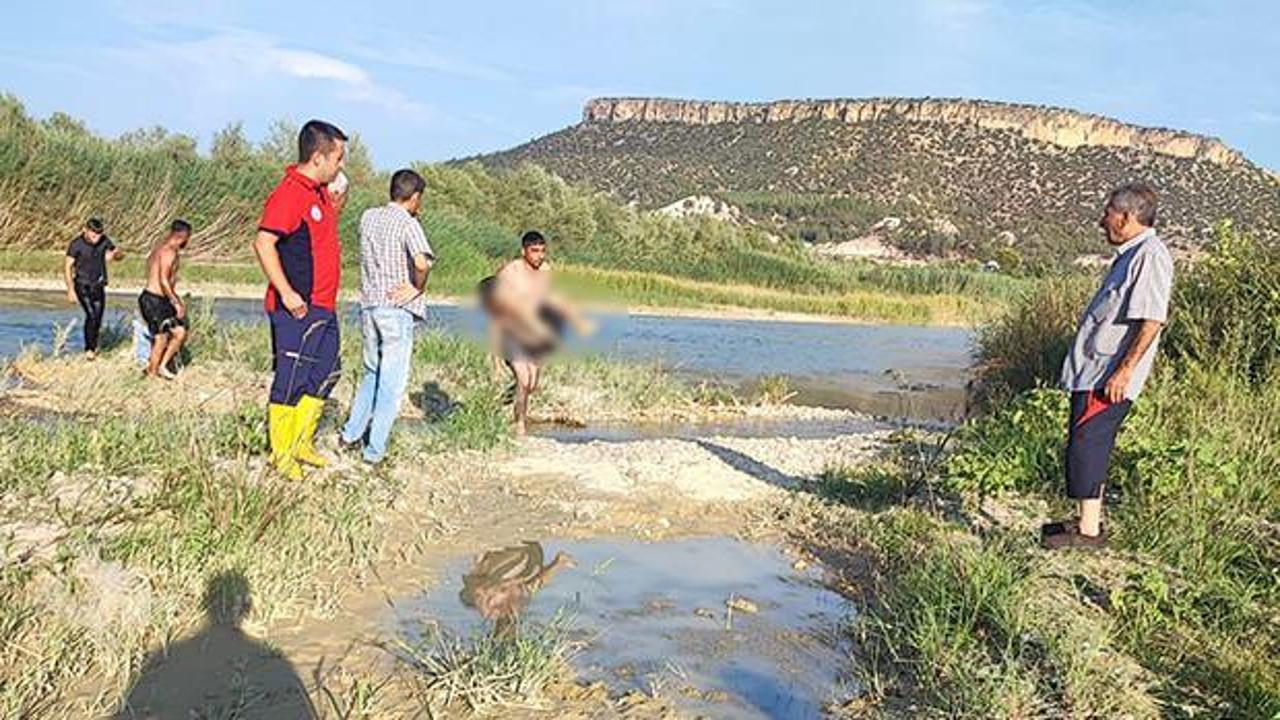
x=1111 y=358
x=395 y=259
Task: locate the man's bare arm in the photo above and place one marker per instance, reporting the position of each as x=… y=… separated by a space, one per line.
x=421 y=271
x=264 y=246
x=1118 y=384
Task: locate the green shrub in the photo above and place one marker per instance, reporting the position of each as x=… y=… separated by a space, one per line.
x=1226 y=310
x=1025 y=347
x=1018 y=447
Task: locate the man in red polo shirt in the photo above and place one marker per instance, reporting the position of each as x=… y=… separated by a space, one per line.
x=297 y=247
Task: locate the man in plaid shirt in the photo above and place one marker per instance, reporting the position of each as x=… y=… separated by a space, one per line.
x=395 y=259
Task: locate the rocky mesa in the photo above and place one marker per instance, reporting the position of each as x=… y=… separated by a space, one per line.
x=1056 y=126
x=971 y=178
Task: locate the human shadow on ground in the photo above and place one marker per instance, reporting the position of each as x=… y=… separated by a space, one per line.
x=744 y=463
x=219 y=671
x=434 y=402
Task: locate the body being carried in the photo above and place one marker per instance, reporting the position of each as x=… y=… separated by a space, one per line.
x=527 y=318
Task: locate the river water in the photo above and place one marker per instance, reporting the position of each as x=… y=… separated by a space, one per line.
x=893 y=371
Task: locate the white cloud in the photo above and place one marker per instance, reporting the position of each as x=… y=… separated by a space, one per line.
x=230 y=63
x=416 y=54
x=304 y=64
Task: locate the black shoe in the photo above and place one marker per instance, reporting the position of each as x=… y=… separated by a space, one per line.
x=347 y=447
x=1071 y=537
x=1053 y=528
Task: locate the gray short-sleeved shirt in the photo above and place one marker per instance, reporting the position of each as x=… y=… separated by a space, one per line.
x=389 y=239
x=1137 y=287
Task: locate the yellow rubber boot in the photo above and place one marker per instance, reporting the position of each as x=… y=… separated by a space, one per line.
x=308 y=419
x=282 y=432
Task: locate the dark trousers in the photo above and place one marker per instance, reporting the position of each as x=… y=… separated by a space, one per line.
x=93 y=298
x=1091 y=437
x=305 y=354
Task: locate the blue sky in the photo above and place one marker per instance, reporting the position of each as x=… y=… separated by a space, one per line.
x=431 y=81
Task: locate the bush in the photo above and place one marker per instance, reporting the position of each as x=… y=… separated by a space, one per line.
x=1019 y=447
x=1226 y=311
x=1025 y=347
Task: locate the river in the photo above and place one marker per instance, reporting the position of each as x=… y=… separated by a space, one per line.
x=895 y=371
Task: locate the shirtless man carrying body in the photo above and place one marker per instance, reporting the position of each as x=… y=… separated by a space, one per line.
x=528 y=318
x=162 y=309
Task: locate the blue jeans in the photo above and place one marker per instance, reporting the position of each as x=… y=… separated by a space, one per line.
x=388 y=346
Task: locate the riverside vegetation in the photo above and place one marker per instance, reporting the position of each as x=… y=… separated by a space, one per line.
x=968 y=618
x=54 y=173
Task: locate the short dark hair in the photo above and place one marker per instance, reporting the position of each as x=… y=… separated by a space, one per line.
x=531 y=238
x=95 y=224
x=317 y=136
x=1136 y=198
x=404 y=183
x=179 y=226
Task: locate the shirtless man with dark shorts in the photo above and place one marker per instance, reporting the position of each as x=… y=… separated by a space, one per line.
x=162 y=309
x=528 y=318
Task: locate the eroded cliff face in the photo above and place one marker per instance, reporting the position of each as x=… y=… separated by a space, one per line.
x=1064 y=128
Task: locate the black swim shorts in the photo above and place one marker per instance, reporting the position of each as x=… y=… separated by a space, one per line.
x=160 y=314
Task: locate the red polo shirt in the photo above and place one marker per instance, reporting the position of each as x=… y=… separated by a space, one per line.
x=301 y=214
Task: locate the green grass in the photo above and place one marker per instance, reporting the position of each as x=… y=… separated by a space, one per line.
x=488 y=672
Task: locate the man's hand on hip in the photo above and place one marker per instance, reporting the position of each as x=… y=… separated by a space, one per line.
x=1118 y=385
x=403 y=294
x=294 y=303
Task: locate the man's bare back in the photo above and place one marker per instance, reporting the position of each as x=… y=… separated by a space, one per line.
x=162 y=270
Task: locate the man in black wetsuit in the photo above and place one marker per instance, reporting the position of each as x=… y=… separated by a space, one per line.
x=85 y=272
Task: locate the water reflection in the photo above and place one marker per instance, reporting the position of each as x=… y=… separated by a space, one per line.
x=655 y=615
x=502 y=581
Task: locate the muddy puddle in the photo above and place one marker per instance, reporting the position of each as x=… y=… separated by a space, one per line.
x=719 y=627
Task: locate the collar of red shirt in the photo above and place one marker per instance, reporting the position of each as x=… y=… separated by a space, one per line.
x=293 y=172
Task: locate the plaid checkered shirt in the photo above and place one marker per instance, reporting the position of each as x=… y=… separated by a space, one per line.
x=389 y=239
